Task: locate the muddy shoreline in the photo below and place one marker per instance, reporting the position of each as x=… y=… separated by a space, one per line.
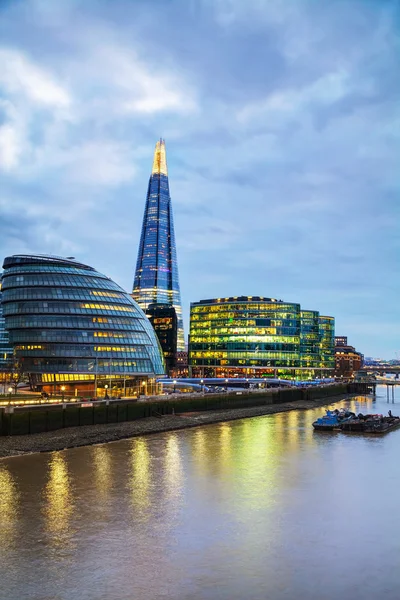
x=99 y=434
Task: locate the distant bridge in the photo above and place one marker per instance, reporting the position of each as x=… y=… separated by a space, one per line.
x=380 y=369
x=387 y=380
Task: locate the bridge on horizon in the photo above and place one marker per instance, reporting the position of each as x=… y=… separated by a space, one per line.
x=394 y=369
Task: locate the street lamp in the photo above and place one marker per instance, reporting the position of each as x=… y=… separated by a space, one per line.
x=202 y=384
x=174 y=386
x=9 y=394
x=62 y=392
x=106 y=394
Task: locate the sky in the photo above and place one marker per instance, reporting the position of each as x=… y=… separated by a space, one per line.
x=281 y=120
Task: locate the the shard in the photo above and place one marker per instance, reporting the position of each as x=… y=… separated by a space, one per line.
x=156 y=276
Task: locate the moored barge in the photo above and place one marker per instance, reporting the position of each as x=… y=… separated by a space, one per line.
x=376 y=424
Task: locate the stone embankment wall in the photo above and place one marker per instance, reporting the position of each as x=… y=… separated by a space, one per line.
x=26 y=420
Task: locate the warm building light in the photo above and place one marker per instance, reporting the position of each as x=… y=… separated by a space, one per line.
x=160 y=160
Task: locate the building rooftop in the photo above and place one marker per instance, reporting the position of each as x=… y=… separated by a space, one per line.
x=18 y=259
x=240 y=299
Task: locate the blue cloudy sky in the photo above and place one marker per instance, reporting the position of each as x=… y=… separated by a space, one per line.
x=281 y=119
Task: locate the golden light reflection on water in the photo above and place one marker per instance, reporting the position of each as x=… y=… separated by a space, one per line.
x=257 y=461
x=292 y=429
x=225 y=443
x=199 y=451
x=140 y=474
x=59 y=503
x=9 y=508
x=102 y=471
x=173 y=467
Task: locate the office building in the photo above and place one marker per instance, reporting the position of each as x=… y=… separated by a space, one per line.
x=347 y=360
x=309 y=339
x=6 y=353
x=165 y=324
x=181 y=368
x=253 y=336
x=71 y=326
x=327 y=342
x=156 y=277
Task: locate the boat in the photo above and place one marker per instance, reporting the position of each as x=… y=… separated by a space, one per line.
x=333 y=420
x=371 y=424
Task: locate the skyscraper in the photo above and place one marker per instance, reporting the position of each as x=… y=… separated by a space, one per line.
x=156 y=277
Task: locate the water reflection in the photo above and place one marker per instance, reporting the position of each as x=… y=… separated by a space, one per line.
x=225 y=447
x=140 y=476
x=9 y=506
x=199 y=449
x=173 y=469
x=102 y=471
x=245 y=509
x=59 y=504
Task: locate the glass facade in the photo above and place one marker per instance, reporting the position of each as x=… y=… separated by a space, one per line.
x=6 y=353
x=309 y=339
x=165 y=324
x=64 y=317
x=327 y=341
x=256 y=336
x=156 y=277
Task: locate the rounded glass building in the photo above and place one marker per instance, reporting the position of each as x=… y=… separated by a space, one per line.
x=73 y=327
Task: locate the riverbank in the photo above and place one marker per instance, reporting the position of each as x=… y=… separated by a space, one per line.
x=99 y=434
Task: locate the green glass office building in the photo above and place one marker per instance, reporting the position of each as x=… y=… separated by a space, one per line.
x=254 y=336
x=309 y=339
x=327 y=341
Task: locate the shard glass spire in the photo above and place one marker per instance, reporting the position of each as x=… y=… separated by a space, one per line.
x=156 y=277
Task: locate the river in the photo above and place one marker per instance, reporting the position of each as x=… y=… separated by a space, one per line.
x=262 y=508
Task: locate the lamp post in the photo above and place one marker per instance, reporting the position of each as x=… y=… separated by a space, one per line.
x=202 y=385
x=9 y=394
x=174 y=386
x=106 y=394
x=62 y=392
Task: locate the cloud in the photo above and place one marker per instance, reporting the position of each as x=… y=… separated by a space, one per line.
x=326 y=90
x=144 y=90
x=28 y=90
x=18 y=75
x=281 y=121
x=98 y=163
x=10 y=147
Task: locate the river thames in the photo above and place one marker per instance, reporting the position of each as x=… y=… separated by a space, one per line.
x=262 y=508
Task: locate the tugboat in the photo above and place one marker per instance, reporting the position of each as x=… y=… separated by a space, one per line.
x=333 y=420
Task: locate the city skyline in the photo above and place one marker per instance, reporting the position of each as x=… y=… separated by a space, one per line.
x=279 y=120
x=156 y=276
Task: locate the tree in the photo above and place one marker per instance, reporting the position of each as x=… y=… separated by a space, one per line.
x=16 y=373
